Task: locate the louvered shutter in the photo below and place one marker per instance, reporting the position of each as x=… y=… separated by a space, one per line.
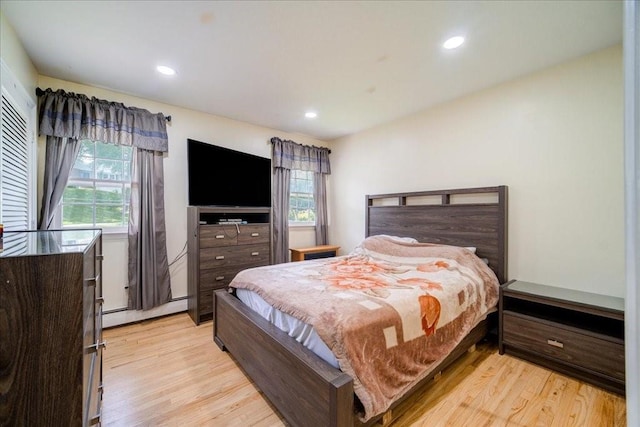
x=14 y=167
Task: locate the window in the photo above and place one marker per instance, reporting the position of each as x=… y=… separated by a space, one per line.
x=302 y=208
x=99 y=188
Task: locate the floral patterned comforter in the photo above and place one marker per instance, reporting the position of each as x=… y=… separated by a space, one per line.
x=390 y=311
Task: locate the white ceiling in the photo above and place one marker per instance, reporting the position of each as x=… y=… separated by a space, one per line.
x=358 y=64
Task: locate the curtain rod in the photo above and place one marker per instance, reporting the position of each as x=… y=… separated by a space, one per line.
x=40 y=92
x=313 y=146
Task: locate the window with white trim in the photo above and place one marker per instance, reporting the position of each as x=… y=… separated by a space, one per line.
x=99 y=188
x=302 y=207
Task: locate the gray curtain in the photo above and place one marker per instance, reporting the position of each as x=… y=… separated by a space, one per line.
x=320 y=197
x=288 y=155
x=291 y=155
x=281 y=192
x=60 y=155
x=78 y=117
x=70 y=115
x=149 y=279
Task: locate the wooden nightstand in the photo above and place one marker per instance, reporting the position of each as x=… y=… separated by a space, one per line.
x=573 y=332
x=313 y=252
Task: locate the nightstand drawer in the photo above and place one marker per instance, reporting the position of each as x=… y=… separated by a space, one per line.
x=563 y=344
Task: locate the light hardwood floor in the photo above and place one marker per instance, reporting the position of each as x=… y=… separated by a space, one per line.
x=169 y=372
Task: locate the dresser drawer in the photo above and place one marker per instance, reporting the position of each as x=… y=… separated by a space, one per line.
x=253 y=233
x=218 y=235
x=206 y=301
x=234 y=255
x=220 y=277
x=217 y=278
x=567 y=345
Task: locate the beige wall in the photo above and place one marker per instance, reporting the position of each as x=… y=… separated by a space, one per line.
x=554 y=137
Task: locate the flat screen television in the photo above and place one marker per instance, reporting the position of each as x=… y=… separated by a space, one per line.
x=221 y=176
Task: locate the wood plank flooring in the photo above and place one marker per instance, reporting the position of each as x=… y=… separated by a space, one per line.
x=169 y=372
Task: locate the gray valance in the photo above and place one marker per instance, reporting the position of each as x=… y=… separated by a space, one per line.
x=70 y=115
x=291 y=155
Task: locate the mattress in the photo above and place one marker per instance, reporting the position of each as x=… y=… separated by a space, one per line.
x=300 y=331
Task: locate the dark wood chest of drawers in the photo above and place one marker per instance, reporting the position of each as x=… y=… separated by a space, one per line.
x=218 y=249
x=576 y=333
x=51 y=328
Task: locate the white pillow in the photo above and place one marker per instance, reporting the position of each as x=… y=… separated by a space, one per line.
x=398 y=238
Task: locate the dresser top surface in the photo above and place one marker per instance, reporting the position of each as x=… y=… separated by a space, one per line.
x=49 y=242
x=564 y=294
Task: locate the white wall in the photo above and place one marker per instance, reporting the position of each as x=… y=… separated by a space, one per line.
x=554 y=137
x=184 y=124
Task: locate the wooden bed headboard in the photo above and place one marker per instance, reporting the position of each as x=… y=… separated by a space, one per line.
x=462 y=217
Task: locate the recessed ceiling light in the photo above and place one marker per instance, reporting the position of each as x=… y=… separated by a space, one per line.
x=311 y=115
x=453 y=42
x=167 y=71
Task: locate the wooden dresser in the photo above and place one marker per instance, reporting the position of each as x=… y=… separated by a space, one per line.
x=219 y=247
x=573 y=332
x=51 y=328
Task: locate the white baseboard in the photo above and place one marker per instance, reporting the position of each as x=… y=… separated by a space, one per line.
x=118 y=318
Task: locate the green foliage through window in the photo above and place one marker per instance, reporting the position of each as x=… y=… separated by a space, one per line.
x=99 y=187
x=302 y=207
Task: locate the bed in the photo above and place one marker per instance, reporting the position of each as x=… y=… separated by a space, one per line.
x=307 y=389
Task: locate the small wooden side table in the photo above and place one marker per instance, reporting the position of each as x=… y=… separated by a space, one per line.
x=313 y=252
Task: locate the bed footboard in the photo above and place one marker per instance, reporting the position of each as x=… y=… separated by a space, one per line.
x=318 y=394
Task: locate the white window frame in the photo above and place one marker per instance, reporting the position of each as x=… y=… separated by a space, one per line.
x=121 y=229
x=25 y=105
x=291 y=183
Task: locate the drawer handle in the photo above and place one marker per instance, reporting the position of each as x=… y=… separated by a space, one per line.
x=219 y=236
x=92 y=281
x=100 y=257
x=95 y=347
x=255 y=234
x=255 y=253
x=555 y=343
x=220 y=278
x=220 y=257
x=95 y=419
x=100 y=300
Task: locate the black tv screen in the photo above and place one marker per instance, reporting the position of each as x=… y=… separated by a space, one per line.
x=221 y=176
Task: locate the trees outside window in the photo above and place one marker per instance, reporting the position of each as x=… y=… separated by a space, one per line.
x=99 y=188
x=302 y=208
